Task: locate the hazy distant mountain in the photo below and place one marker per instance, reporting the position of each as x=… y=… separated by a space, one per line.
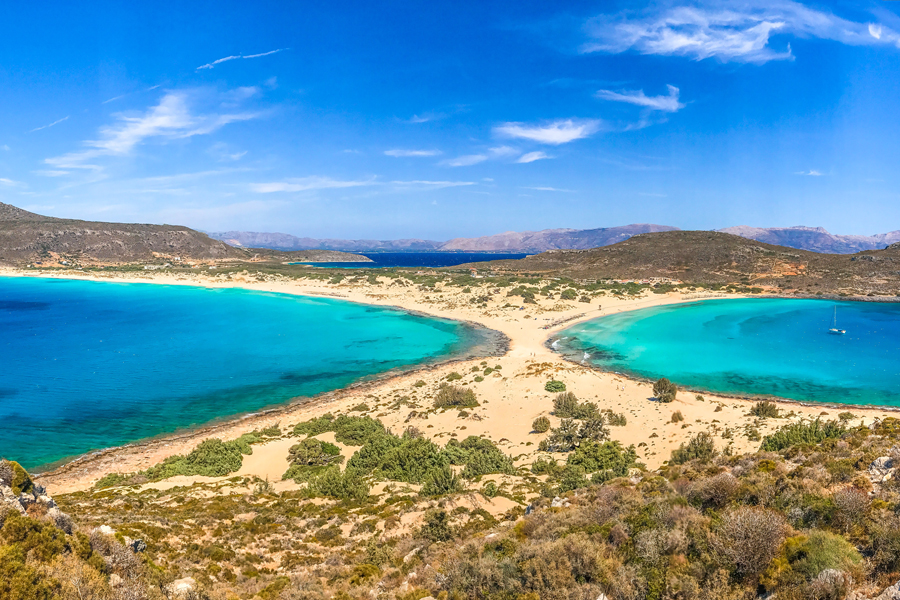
x=284 y=241
x=815 y=239
x=525 y=241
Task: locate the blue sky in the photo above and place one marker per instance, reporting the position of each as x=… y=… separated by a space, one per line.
x=438 y=120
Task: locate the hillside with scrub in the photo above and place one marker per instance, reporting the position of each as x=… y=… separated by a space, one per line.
x=813 y=513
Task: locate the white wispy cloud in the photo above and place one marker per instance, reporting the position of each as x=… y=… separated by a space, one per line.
x=554 y=133
x=170 y=119
x=239 y=56
x=51 y=173
x=305 y=184
x=466 y=160
x=810 y=173
x=57 y=122
x=398 y=153
x=727 y=31
x=549 y=189
x=5 y=147
x=473 y=159
x=667 y=103
x=424 y=184
x=8 y=182
x=532 y=156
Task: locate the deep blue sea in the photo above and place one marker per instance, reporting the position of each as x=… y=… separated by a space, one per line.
x=418 y=259
x=756 y=346
x=88 y=365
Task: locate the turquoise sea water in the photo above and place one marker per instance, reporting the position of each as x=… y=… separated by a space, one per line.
x=756 y=346
x=87 y=365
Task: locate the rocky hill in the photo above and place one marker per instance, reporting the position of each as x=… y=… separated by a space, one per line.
x=714 y=257
x=27 y=237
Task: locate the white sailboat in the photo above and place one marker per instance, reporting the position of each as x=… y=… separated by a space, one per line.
x=834 y=328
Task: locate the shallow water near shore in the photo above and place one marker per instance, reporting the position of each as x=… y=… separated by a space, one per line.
x=758 y=347
x=88 y=365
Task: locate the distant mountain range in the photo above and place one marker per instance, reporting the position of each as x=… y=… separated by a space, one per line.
x=815 y=239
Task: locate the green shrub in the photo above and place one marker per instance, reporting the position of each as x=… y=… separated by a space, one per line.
x=677 y=417
x=353 y=431
x=570 y=434
x=804 y=556
x=765 y=410
x=606 y=460
x=568 y=294
x=699 y=447
x=441 y=481
x=22 y=581
x=449 y=396
x=664 y=390
x=349 y=485
x=411 y=460
x=613 y=418
x=480 y=457
x=361 y=407
x=545 y=466
x=211 y=458
x=555 y=386
x=314 y=453
x=436 y=527
x=567 y=406
x=814 y=432
x=540 y=425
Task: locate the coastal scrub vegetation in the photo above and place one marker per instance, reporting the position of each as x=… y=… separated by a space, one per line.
x=664 y=390
x=765 y=410
x=540 y=425
x=211 y=458
x=810 y=515
x=553 y=386
x=452 y=396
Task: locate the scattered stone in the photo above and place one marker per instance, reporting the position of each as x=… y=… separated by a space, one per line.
x=106 y=530
x=138 y=546
x=183 y=587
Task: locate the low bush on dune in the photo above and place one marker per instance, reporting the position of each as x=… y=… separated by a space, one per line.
x=554 y=386
x=570 y=434
x=480 y=457
x=664 y=390
x=450 y=396
x=567 y=406
x=540 y=425
x=814 y=432
x=765 y=410
x=700 y=447
x=211 y=458
x=350 y=430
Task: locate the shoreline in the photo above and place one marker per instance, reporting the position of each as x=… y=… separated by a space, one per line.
x=733 y=395
x=512 y=397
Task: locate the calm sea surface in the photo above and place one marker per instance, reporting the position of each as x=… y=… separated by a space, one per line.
x=761 y=347
x=87 y=365
x=418 y=259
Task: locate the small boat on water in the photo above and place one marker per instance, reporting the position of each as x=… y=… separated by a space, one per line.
x=834 y=328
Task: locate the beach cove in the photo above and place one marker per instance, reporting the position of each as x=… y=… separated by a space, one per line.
x=513 y=396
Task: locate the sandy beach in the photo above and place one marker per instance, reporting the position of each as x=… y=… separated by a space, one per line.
x=510 y=397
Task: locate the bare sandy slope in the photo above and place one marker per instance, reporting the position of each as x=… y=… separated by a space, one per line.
x=511 y=397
